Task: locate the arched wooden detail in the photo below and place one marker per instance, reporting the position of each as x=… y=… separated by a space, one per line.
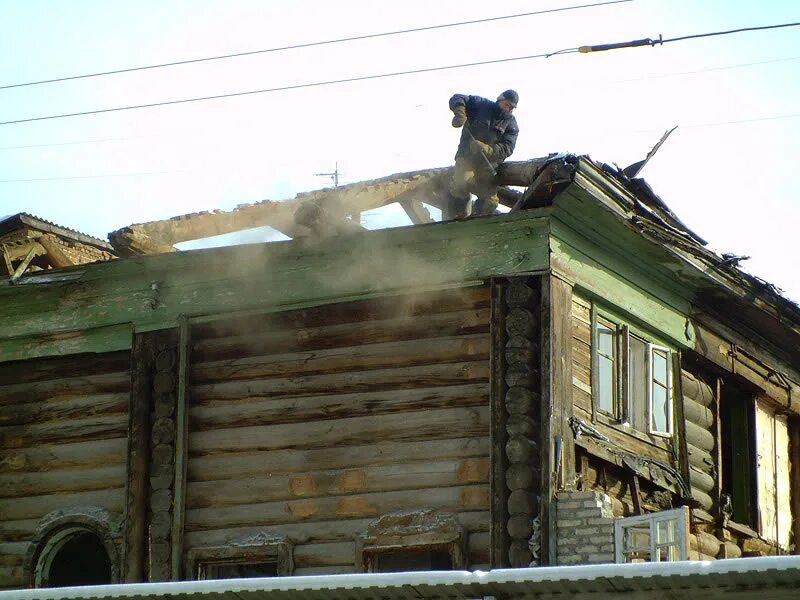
x=58 y=527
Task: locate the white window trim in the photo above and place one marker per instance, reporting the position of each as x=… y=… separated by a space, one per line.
x=670 y=392
x=679 y=515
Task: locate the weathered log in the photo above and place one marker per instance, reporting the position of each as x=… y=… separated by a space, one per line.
x=729 y=550
x=366 y=356
x=519 y=553
x=699 y=437
x=519 y=400
x=253 y=464
x=700 y=459
x=523 y=502
x=76 y=455
x=55 y=254
x=698 y=414
x=521 y=322
x=522 y=375
x=93 y=428
x=163 y=431
x=522 y=425
x=521 y=355
x=266 y=487
x=702 y=499
x=160 y=500
x=450 y=499
x=701 y=480
x=311 y=531
x=519 y=294
x=519 y=526
x=284 y=338
x=351 y=431
x=68 y=387
x=347 y=382
x=35 y=507
x=22 y=484
x=220 y=414
x=696 y=389
x=519 y=476
x=520 y=448
x=65 y=409
x=705 y=543
x=324 y=555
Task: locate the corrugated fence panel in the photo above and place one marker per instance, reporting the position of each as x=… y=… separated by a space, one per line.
x=63 y=443
x=309 y=424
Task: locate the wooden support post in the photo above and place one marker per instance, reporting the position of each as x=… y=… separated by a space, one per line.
x=181 y=449
x=23 y=265
x=682 y=449
x=6 y=264
x=498 y=550
x=416 y=211
x=794 y=479
x=557 y=441
x=636 y=494
x=134 y=544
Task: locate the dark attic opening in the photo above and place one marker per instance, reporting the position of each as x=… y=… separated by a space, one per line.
x=81 y=560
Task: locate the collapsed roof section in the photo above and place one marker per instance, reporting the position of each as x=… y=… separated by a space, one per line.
x=28 y=243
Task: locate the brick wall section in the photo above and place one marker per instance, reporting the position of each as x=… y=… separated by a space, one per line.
x=585 y=523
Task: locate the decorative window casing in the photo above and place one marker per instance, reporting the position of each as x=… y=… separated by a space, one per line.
x=424 y=540
x=632 y=378
x=75 y=546
x=657 y=537
x=258 y=556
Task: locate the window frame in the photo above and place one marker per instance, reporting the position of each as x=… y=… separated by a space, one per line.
x=278 y=551
x=651 y=382
x=680 y=516
x=623 y=400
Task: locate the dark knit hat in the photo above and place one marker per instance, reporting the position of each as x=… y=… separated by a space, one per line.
x=509 y=95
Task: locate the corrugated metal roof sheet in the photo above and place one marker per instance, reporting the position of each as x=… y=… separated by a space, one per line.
x=764 y=578
x=16 y=220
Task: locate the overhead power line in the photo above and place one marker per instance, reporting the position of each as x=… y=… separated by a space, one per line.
x=648 y=41
x=86 y=177
x=311 y=44
x=660 y=40
x=275 y=89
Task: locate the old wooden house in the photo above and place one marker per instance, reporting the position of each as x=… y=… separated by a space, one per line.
x=577 y=381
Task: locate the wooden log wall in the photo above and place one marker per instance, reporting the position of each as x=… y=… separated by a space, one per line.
x=698 y=410
x=312 y=423
x=63 y=428
x=522 y=404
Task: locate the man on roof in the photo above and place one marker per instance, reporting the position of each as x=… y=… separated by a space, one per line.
x=488 y=137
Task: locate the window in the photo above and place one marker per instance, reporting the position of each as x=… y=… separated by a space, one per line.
x=657 y=537
x=418 y=540
x=632 y=378
x=261 y=556
x=408 y=559
x=607 y=368
x=772 y=466
x=79 y=559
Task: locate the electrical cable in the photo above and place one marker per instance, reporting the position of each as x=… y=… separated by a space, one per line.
x=660 y=40
x=311 y=44
x=74 y=143
x=581 y=49
x=276 y=89
x=87 y=177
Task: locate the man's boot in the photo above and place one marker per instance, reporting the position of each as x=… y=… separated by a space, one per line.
x=486 y=206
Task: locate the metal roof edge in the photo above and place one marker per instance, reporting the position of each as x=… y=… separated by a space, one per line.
x=775 y=571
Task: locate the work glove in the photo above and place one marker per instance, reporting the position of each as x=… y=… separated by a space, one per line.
x=459 y=116
x=477 y=148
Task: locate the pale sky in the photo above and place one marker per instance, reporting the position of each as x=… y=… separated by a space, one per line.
x=727 y=171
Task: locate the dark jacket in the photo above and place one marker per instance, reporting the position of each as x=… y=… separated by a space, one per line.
x=488 y=124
